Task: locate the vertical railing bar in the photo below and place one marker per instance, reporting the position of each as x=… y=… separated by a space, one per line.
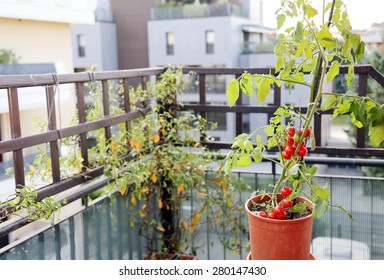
x=144 y=80
x=82 y=119
x=363 y=88
x=239 y=115
x=57 y=242
x=96 y=216
x=41 y=246
x=54 y=148
x=127 y=101
x=208 y=239
x=129 y=230
x=203 y=101
x=86 y=234
x=331 y=216
x=106 y=110
x=109 y=228
x=350 y=222
x=14 y=115
x=371 y=222
x=120 y=238
x=240 y=220
x=72 y=243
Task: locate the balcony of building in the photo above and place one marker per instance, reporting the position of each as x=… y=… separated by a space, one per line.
x=94 y=226
x=196 y=10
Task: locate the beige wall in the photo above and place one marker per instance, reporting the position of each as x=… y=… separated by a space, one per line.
x=37 y=41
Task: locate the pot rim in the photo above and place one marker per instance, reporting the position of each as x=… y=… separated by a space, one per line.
x=272 y=220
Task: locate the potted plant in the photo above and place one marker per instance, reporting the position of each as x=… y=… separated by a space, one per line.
x=173 y=184
x=308 y=54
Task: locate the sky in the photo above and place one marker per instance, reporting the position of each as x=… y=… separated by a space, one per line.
x=362 y=13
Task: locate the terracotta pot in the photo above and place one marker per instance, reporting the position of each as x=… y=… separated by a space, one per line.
x=279 y=239
x=161 y=256
x=311 y=257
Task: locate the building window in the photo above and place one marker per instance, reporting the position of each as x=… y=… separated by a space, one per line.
x=81 y=45
x=209 y=41
x=170 y=41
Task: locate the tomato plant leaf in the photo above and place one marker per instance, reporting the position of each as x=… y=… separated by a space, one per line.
x=233 y=91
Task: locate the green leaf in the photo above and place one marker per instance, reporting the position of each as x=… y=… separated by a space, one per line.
x=342 y=108
x=311 y=12
x=264 y=90
x=299 y=31
x=233 y=91
x=356 y=122
x=376 y=114
x=333 y=71
x=328 y=102
x=376 y=134
x=308 y=51
x=326 y=38
x=259 y=140
x=294 y=169
x=279 y=62
x=246 y=84
x=238 y=144
x=244 y=161
x=257 y=155
x=358 y=112
x=322 y=193
x=269 y=130
x=351 y=72
x=280 y=20
x=320 y=208
x=311 y=171
x=360 y=50
x=248 y=146
x=299 y=207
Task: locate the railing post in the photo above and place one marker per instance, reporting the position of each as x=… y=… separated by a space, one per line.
x=14 y=115
x=363 y=87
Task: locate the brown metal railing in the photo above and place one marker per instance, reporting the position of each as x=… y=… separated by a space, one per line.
x=12 y=83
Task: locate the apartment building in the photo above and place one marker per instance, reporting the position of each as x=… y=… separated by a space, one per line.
x=39 y=33
x=213 y=34
x=94 y=46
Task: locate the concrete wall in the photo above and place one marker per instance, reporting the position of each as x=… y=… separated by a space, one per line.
x=100 y=46
x=131 y=22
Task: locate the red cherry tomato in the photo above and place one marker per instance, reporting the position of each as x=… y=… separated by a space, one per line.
x=302 y=152
x=272 y=215
x=282 y=216
x=286 y=155
x=291 y=131
x=262 y=214
x=289 y=149
x=286 y=204
x=307 y=132
x=285 y=191
x=278 y=210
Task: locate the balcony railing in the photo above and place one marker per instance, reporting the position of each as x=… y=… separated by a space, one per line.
x=193 y=11
x=362 y=196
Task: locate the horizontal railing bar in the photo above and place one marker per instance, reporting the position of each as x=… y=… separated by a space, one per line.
x=234 y=109
x=53 y=135
x=323 y=150
x=7 y=81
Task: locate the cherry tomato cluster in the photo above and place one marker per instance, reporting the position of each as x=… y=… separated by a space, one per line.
x=292 y=142
x=279 y=212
